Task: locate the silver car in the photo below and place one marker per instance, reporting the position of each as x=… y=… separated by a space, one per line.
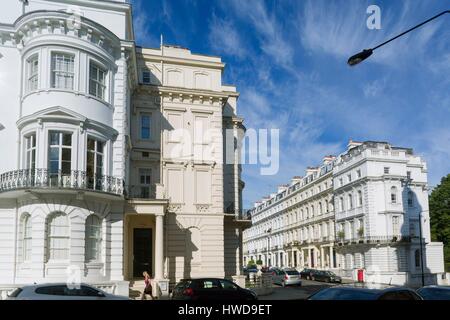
x=286 y=276
x=61 y=291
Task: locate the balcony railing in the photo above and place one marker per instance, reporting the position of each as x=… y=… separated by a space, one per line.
x=142 y=192
x=43 y=178
x=373 y=239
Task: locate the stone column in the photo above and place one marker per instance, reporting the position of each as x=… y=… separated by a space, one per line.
x=322 y=258
x=163 y=284
x=331 y=257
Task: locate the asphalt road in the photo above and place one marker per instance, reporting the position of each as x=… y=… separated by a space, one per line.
x=307 y=288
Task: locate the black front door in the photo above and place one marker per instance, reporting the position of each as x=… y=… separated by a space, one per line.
x=142 y=252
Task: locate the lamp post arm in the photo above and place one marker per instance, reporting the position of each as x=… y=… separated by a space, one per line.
x=409 y=30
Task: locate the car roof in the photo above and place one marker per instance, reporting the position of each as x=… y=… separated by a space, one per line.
x=47 y=284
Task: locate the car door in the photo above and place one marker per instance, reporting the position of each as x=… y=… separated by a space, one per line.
x=209 y=289
x=231 y=291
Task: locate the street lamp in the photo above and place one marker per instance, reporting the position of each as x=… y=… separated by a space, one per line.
x=363 y=55
x=269 y=254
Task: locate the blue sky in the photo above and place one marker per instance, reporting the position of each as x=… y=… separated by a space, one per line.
x=288 y=61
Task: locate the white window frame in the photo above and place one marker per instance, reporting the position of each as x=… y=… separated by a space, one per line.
x=30 y=150
x=97 y=83
x=96 y=153
x=65 y=73
x=51 y=253
x=32 y=73
x=93 y=243
x=26 y=238
x=60 y=147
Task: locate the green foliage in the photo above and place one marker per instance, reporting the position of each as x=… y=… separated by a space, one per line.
x=251 y=263
x=259 y=262
x=341 y=234
x=440 y=216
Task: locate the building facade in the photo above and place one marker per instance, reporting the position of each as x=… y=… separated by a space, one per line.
x=377 y=201
x=114 y=157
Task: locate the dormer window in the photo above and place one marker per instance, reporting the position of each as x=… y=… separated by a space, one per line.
x=63 y=71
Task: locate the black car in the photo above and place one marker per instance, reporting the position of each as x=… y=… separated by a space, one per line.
x=434 y=293
x=326 y=276
x=307 y=273
x=210 y=289
x=364 y=293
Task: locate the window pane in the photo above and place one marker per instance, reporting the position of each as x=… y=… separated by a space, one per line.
x=54 y=138
x=66 y=154
x=67 y=139
x=91 y=144
x=99 y=147
x=66 y=167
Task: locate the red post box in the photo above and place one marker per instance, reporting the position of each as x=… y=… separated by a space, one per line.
x=360 y=275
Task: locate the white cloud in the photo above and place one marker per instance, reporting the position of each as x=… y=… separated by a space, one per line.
x=141 y=22
x=224 y=38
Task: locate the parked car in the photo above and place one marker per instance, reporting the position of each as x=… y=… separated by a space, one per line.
x=434 y=293
x=364 y=293
x=61 y=291
x=286 y=276
x=307 y=273
x=326 y=276
x=210 y=289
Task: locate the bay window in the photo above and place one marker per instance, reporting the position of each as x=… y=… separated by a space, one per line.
x=97 y=81
x=62 y=71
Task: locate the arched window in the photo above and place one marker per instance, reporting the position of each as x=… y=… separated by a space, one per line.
x=393 y=195
x=307 y=213
x=25 y=238
x=93 y=238
x=341 y=204
x=326 y=206
x=410 y=199
x=58 y=237
x=320 y=208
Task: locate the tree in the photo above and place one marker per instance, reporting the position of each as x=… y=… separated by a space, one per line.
x=440 y=216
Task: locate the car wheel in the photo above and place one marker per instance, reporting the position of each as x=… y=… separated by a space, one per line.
x=327 y=280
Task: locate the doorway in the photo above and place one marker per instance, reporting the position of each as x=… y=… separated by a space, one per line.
x=142 y=251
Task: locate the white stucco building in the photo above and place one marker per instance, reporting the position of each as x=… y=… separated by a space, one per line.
x=376 y=204
x=113 y=156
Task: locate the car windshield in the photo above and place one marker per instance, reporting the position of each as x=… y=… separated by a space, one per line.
x=434 y=293
x=292 y=272
x=343 y=294
x=15 y=293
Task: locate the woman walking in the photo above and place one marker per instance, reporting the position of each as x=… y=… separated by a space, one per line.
x=148 y=286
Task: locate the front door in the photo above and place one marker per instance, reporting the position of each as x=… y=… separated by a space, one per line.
x=312 y=259
x=142 y=252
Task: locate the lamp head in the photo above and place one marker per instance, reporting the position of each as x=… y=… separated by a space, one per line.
x=359 y=57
